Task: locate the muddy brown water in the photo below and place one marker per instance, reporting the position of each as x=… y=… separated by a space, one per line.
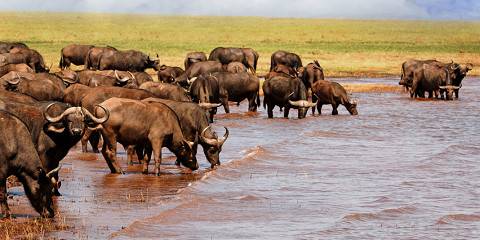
x=402 y=169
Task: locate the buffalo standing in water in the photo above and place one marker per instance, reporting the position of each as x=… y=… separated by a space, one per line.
x=159 y=127
x=409 y=67
x=288 y=93
x=333 y=93
x=434 y=79
x=18 y=157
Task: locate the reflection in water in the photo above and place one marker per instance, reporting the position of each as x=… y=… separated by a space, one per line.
x=401 y=168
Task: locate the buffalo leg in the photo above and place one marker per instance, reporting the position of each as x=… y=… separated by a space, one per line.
x=157 y=151
x=85 y=138
x=456 y=93
x=94 y=140
x=314 y=99
x=319 y=108
x=334 y=111
x=109 y=152
x=252 y=105
x=139 y=150
x=130 y=149
x=3 y=198
x=286 y=112
x=270 y=110
x=430 y=94
x=146 y=159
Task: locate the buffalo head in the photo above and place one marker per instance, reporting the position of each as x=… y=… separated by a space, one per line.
x=213 y=145
x=74 y=120
x=302 y=106
x=153 y=63
x=185 y=155
x=40 y=192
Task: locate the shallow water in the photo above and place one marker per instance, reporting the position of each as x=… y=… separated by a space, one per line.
x=402 y=169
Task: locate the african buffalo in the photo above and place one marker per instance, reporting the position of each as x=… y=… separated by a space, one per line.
x=285 y=92
x=74 y=53
x=18 y=157
x=434 y=79
x=42 y=89
x=237 y=87
x=92 y=60
x=286 y=58
x=130 y=60
x=55 y=128
x=458 y=73
x=196 y=69
x=98 y=95
x=206 y=91
x=166 y=91
x=409 y=67
x=159 y=127
x=194 y=123
x=194 y=57
x=167 y=74
x=21 y=67
x=228 y=55
x=333 y=93
x=24 y=55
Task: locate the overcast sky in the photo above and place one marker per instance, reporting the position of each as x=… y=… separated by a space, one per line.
x=363 y=9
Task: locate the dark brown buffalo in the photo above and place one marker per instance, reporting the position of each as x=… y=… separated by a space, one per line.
x=238 y=87
x=42 y=89
x=166 y=91
x=333 y=93
x=435 y=79
x=310 y=74
x=5 y=47
x=282 y=70
x=55 y=128
x=24 y=55
x=194 y=57
x=130 y=60
x=74 y=53
x=194 y=123
x=235 y=67
x=206 y=91
x=22 y=67
x=285 y=92
x=196 y=69
x=98 y=95
x=159 y=127
x=286 y=58
x=458 y=73
x=409 y=67
x=168 y=74
x=106 y=78
x=92 y=60
x=228 y=55
x=18 y=157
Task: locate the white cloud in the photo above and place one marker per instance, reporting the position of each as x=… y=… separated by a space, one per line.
x=363 y=9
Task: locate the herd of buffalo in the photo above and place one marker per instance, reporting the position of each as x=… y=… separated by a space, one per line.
x=44 y=114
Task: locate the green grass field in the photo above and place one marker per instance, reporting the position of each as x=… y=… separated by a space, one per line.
x=343 y=47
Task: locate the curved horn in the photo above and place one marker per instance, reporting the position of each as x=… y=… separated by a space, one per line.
x=60 y=117
x=209 y=141
x=51 y=173
x=14 y=81
x=301 y=103
x=131 y=74
x=312 y=104
x=443 y=87
x=95 y=119
x=116 y=74
x=209 y=105
x=225 y=136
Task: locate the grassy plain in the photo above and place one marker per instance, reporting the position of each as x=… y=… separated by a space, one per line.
x=358 y=48
x=344 y=47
